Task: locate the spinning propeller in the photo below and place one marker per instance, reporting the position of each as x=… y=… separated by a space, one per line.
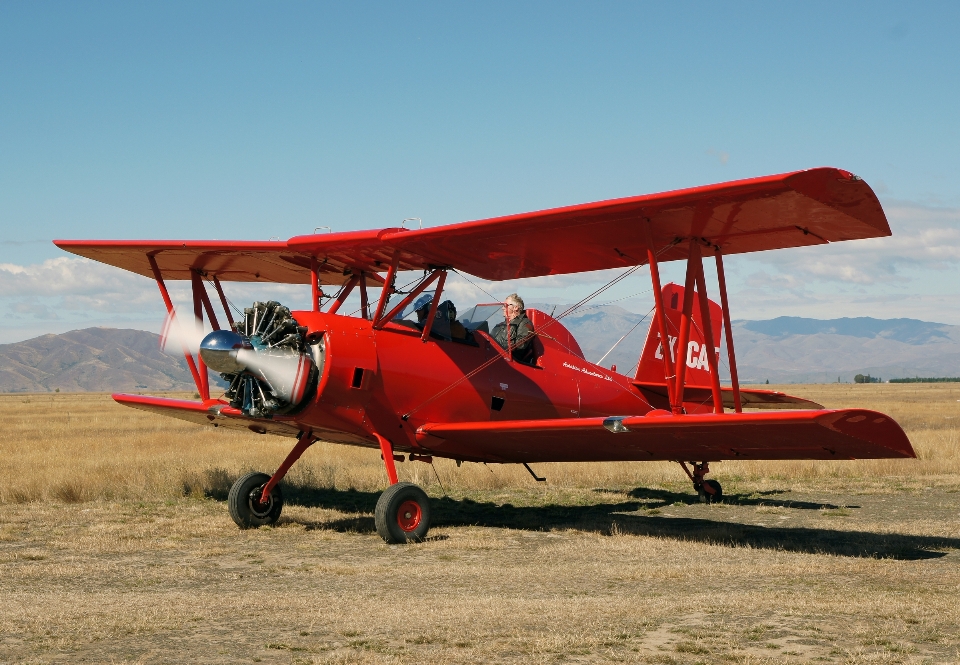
x=265 y=358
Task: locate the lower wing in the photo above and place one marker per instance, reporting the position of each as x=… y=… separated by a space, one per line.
x=844 y=434
x=213 y=413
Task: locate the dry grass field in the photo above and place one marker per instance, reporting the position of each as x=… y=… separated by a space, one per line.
x=116 y=546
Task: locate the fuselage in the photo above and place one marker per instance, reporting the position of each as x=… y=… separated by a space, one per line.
x=391 y=382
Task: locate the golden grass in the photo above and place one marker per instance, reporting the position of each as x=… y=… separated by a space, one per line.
x=80 y=447
x=109 y=551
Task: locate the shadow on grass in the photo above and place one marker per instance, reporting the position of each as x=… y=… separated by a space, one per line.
x=656 y=498
x=623 y=517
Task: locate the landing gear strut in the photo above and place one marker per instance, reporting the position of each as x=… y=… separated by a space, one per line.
x=708 y=489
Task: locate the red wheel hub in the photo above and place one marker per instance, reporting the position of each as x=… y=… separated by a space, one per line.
x=409 y=515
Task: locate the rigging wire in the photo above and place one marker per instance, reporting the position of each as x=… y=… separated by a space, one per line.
x=239 y=311
x=453 y=385
x=477 y=285
x=625 y=335
x=632 y=295
x=400 y=290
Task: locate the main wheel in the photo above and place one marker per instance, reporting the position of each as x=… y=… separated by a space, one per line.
x=706 y=496
x=244 y=502
x=403 y=513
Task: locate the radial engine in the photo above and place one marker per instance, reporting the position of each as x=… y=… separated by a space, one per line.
x=267 y=359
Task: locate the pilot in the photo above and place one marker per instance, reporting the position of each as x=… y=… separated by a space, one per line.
x=422 y=308
x=457 y=331
x=520 y=329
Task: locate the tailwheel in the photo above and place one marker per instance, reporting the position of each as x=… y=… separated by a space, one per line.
x=403 y=514
x=707 y=489
x=244 y=502
x=711 y=491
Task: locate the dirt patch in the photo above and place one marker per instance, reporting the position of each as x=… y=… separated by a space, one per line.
x=842 y=574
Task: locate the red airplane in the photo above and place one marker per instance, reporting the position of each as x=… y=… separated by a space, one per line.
x=421 y=386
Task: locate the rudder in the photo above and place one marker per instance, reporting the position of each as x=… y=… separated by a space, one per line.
x=650 y=369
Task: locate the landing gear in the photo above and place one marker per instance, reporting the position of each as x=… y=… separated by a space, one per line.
x=711 y=492
x=256 y=499
x=245 y=505
x=708 y=490
x=403 y=514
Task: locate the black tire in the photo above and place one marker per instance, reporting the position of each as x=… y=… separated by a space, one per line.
x=706 y=496
x=244 y=502
x=402 y=514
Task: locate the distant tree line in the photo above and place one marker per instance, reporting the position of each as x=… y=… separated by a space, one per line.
x=935 y=379
x=866 y=378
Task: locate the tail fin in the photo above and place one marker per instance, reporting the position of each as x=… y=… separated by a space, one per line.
x=650 y=369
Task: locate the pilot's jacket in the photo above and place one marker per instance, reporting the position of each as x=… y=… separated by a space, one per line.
x=521 y=336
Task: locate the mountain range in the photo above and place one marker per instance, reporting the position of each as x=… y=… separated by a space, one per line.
x=781 y=350
x=94 y=359
x=791 y=349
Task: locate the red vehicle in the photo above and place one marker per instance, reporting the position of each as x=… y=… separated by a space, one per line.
x=416 y=390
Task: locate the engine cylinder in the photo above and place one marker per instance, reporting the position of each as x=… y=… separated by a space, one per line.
x=266 y=359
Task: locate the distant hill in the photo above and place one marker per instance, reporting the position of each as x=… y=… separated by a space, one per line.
x=815 y=351
x=95 y=359
x=908 y=331
x=783 y=350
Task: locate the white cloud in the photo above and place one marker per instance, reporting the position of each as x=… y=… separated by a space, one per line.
x=66 y=276
x=72 y=292
x=35 y=310
x=924 y=239
x=722 y=155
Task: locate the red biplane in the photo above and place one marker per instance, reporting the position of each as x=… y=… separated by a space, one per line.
x=414 y=389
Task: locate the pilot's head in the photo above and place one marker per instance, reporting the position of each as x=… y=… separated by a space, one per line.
x=422 y=307
x=513 y=306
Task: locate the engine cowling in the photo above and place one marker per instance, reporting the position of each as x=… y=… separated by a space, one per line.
x=266 y=359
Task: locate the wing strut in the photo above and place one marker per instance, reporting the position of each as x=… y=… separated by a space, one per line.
x=665 y=346
x=709 y=339
x=223 y=300
x=200 y=301
x=424 y=283
x=675 y=364
x=173 y=318
x=428 y=324
x=364 y=303
x=732 y=357
x=315 y=291
x=344 y=292
x=387 y=291
x=686 y=316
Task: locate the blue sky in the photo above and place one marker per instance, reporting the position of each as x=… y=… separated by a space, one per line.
x=253 y=120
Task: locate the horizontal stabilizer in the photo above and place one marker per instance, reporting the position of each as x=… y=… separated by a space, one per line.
x=656 y=394
x=843 y=434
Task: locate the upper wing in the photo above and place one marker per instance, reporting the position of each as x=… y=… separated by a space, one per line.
x=236 y=261
x=789 y=210
x=844 y=434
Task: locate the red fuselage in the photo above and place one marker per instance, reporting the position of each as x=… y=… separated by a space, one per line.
x=391 y=382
